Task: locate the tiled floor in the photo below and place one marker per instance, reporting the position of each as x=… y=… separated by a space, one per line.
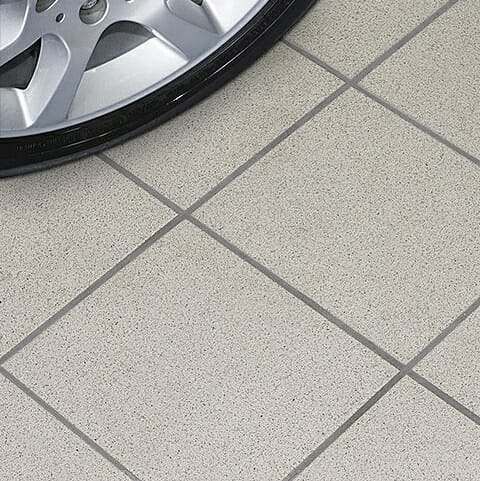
x=283 y=283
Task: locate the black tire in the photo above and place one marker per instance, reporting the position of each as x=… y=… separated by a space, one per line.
x=21 y=155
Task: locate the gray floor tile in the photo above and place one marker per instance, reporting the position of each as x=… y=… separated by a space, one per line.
x=349 y=35
x=36 y=447
x=454 y=365
x=190 y=364
x=188 y=156
x=370 y=217
x=409 y=435
x=436 y=77
x=60 y=230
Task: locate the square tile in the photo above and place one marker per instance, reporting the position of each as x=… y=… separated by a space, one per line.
x=350 y=35
x=436 y=77
x=454 y=365
x=409 y=435
x=35 y=446
x=189 y=155
x=369 y=216
x=61 y=230
x=190 y=364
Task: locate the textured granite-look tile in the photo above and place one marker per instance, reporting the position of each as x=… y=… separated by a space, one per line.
x=369 y=216
x=436 y=77
x=454 y=365
x=190 y=364
x=61 y=230
x=36 y=447
x=351 y=34
x=189 y=155
x=409 y=435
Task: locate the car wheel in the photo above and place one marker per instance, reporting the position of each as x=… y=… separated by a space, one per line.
x=79 y=77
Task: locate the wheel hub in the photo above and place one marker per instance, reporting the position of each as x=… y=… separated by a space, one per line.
x=165 y=39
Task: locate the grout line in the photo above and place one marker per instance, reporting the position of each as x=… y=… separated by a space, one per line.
x=313 y=58
x=422 y=127
x=307 y=461
x=238 y=171
x=140 y=183
x=331 y=317
x=444 y=396
x=445 y=333
x=92 y=287
x=452 y=326
x=404 y=40
x=407 y=370
x=350 y=331
x=314 y=305
x=268 y=148
x=298 y=294
x=69 y=425
x=387 y=105
x=272 y=276
x=384 y=55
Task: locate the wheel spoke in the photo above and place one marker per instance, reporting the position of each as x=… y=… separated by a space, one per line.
x=189 y=39
x=13 y=108
x=194 y=12
x=17 y=31
x=55 y=82
x=225 y=14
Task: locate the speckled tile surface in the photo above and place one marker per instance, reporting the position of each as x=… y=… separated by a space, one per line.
x=35 y=446
x=436 y=77
x=369 y=216
x=281 y=284
x=219 y=372
x=349 y=34
x=455 y=364
x=410 y=434
x=60 y=231
x=190 y=155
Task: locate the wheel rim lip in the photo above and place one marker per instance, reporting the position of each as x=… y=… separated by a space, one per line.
x=170 y=79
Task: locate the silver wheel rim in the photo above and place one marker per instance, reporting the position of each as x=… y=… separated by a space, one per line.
x=96 y=56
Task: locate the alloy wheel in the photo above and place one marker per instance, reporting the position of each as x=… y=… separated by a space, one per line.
x=65 y=64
